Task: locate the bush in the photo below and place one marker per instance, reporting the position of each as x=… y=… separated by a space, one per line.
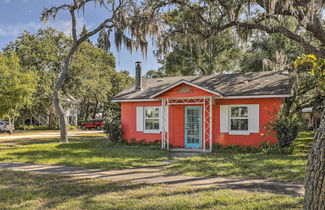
x=286 y=128
x=268 y=148
x=72 y=127
x=114 y=131
x=265 y=148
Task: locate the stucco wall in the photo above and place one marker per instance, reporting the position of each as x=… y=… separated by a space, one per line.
x=268 y=109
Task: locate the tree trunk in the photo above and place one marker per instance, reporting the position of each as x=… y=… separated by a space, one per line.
x=95 y=109
x=56 y=97
x=82 y=109
x=11 y=124
x=315 y=177
x=87 y=110
x=60 y=111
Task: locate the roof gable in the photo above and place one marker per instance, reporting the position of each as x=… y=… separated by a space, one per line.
x=184 y=88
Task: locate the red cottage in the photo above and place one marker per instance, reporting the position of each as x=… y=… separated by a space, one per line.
x=194 y=112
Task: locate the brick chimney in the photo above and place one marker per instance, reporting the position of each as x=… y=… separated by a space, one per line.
x=138 y=76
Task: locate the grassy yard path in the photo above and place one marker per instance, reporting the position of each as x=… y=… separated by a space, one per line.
x=154 y=175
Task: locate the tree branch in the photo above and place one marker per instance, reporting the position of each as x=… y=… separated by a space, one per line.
x=73 y=28
x=314 y=26
x=286 y=32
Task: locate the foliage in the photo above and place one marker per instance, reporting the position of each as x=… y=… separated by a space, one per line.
x=92 y=79
x=89 y=79
x=16 y=87
x=270 y=52
x=267 y=148
x=154 y=74
x=119 y=81
x=189 y=56
x=264 y=148
x=114 y=131
x=286 y=127
x=142 y=142
x=103 y=40
x=205 y=19
x=308 y=84
x=125 y=17
x=42 y=53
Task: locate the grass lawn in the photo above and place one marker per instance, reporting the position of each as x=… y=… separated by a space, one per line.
x=93 y=151
x=84 y=151
x=280 y=167
x=23 y=190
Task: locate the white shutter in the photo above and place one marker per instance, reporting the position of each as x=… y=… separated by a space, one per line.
x=166 y=118
x=161 y=118
x=139 y=118
x=254 y=118
x=224 y=116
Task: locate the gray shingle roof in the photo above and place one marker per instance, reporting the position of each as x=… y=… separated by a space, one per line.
x=237 y=84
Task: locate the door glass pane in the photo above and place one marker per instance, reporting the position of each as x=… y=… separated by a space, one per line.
x=193 y=125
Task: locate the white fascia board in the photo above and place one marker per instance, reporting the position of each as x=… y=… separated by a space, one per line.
x=259 y=96
x=185 y=82
x=224 y=97
x=135 y=100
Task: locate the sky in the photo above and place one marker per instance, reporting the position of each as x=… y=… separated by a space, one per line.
x=19 y=15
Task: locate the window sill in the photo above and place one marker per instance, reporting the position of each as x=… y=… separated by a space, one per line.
x=238 y=133
x=151 y=131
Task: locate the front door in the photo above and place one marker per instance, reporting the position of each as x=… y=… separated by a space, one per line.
x=193 y=126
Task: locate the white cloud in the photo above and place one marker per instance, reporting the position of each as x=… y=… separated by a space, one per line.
x=14 y=30
x=60 y=25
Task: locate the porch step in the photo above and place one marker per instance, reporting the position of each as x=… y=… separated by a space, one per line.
x=187 y=150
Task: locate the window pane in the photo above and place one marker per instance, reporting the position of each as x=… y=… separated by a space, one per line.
x=151 y=124
x=239 y=111
x=239 y=124
x=152 y=113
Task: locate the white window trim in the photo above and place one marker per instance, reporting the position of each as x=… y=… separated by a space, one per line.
x=144 y=119
x=238 y=132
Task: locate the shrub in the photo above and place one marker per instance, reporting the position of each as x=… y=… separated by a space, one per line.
x=268 y=148
x=286 y=128
x=265 y=148
x=72 y=127
x=114 y=131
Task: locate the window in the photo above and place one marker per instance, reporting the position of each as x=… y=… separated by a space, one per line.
x=238 y=118
x=151 y=119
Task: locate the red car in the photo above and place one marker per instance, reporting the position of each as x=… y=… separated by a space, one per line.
x=98 y=124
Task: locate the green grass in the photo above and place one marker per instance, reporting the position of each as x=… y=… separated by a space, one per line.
x=82 y=151
x=94 y=152
x=234 y=164
x=23 y=190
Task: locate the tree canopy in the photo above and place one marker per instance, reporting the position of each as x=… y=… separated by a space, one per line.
x=16 y=87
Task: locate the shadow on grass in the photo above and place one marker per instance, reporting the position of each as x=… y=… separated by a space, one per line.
x=26 y=190
x=279 y=167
